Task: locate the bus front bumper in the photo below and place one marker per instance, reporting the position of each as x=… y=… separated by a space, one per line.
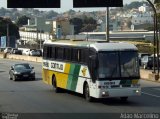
x=118 y=92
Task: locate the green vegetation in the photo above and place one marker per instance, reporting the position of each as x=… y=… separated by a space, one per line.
x=145 y=49
x=85 y=24
x=144 y=46
x=23 y=20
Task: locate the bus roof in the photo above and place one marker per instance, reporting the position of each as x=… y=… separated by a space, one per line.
x=98 y=46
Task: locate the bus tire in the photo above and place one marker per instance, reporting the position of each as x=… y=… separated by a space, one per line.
x=124 y=99
x=54 y=84
x=87 y=93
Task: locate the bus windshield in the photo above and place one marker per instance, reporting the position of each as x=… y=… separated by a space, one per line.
x=118 y=64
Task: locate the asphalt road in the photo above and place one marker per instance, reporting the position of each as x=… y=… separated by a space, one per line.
x=37 y=97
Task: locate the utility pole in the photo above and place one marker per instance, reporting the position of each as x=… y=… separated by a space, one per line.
x=8 y=39
x=107 y=23
x=40 y=39
x=155 y=38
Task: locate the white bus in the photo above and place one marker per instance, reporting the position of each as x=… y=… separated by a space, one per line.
x=94 y=69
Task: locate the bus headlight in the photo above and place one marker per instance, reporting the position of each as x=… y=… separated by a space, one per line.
x=138 y=92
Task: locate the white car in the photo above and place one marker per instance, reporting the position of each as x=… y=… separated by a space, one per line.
x=7 y=50
x=34 y=53
x=26 y=51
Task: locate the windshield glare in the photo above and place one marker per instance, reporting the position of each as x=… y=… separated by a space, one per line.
x=22 y=67
x=108 y=65
x=129 y=64
x=118 y=64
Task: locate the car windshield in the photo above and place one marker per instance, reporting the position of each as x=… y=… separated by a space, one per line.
x=22 y=66
x=118 y=64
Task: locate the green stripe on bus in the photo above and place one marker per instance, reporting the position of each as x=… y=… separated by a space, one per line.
x=70 y=77
x=73 y=77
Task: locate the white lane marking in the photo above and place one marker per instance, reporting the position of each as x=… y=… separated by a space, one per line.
x=157 y=96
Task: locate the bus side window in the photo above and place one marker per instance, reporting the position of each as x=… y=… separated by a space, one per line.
x=83 y=56
x=74 y=55
x=67 y=54
x=49 y=51
x=59 y=53
x=53 y=53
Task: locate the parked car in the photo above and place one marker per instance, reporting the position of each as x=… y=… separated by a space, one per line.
x=147 y=62
x=21 y=71
x=7 y=50
x=12 y=50
x=25 y=51
x=18 y=52
x=141 y=55
x=40 y=52
x=34 y=53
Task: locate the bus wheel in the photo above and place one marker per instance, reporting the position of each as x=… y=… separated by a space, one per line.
x=54 y=83
x=87 y=93
x=124 y=99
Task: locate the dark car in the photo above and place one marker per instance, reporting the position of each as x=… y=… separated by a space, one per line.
x=21 y=71
x=16 y=51
x=147 y=62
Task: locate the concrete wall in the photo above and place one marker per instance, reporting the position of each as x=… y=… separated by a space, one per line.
x=24 y=57
x=2 y=55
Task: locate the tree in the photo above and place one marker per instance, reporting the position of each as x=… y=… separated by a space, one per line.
x=85 y=24
x=89 y=24
x=77 y=22
x=13 y=28
x=23 y=20
x=51 y=14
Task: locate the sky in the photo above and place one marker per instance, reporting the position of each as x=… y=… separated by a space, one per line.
x=67 y=5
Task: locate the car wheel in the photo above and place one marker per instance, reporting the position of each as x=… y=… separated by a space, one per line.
x=34 y=79
x=124 y=99
x=87 y=93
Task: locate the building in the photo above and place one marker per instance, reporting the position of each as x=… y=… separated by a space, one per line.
x=37 y=24
x=143 y=16
x=62 y=27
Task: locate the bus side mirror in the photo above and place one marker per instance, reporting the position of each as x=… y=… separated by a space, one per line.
x=93 y=61
x=93 y=67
